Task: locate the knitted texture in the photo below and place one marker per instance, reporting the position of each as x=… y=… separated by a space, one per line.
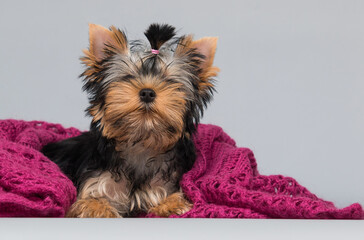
x=30 y=184
x=223 y=183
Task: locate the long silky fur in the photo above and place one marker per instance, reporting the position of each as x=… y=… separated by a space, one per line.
x=90 y=154
x=93 y=153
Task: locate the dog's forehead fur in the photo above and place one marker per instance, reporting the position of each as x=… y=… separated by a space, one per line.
x=143 y=67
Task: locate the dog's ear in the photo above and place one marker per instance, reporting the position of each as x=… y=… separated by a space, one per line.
x=104 y=42
x=207 y=47
x=202 y=54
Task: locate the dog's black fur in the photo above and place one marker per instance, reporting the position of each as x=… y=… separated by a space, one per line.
x=90 y=153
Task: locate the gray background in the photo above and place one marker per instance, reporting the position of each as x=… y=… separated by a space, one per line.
x=291 y=83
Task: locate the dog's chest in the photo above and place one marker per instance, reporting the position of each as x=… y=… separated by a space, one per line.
x=142 y=166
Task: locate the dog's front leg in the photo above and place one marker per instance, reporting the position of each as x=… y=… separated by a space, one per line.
x=97 y=198
x=174 y=204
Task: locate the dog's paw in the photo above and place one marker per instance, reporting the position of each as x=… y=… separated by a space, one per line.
x=92 y=208
x=174 y=204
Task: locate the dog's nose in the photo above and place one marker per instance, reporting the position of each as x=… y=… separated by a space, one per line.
x=147 y=95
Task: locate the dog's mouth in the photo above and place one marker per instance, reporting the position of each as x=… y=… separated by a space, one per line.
x=147 y=108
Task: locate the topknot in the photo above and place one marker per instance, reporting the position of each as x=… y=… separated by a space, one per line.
x=158 y=34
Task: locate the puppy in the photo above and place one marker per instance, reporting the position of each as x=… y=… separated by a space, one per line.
x=146 y=100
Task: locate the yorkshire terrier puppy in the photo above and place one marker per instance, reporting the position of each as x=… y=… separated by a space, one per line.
x=145 y=102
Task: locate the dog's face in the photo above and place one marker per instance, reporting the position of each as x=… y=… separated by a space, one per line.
x=149 y=94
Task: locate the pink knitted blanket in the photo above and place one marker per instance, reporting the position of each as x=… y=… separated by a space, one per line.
x=224 y=181
x=30 y=184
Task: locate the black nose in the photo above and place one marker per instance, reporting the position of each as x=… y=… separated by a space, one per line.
x=147 y=95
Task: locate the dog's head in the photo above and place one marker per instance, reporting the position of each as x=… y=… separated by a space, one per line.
x=150 y=93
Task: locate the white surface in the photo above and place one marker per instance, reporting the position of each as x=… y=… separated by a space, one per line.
x=291 y=84
x=177 y=229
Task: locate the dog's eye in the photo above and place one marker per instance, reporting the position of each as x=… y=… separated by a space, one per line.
x=127 y=78
x=171 y=81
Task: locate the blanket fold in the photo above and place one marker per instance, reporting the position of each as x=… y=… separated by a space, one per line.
x=223 y=183
x=30 y=184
